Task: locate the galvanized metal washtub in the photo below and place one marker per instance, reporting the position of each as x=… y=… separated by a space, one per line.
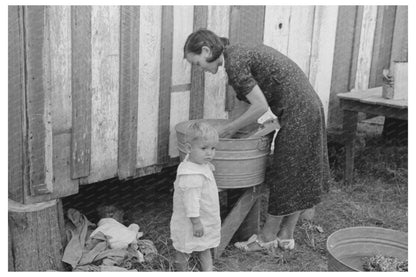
x=239 y=162
x=347 y=247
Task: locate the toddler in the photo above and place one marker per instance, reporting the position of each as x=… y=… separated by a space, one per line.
x=196 y=224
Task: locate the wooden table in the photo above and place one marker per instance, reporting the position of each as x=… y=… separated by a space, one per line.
x=243 y=217
x=367 y=101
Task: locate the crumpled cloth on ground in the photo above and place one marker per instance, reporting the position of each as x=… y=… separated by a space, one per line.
x=76 y=232
x=93 y=253
x=119 y=236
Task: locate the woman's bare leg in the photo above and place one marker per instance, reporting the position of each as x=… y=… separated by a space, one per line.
x=268 y=232
x=288 y=225
x=271 y=228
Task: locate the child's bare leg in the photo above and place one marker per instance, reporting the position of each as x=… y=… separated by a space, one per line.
x=205 y=260
x=181 y=261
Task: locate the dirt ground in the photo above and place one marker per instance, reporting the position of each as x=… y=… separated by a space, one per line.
x=379 y=197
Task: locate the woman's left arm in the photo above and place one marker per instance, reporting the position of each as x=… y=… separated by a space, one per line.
x=258 y=106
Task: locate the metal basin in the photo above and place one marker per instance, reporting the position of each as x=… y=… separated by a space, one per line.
x=239 y=162
x=347 y=247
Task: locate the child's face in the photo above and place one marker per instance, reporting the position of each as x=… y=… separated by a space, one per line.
x=202 y=151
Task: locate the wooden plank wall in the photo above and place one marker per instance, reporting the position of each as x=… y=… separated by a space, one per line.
x=16 y=102
x=342 y=70
x=306 y=34
x=165 y=84
x=383 y=39
x=129 y=88
x=38 y=102
x=106 y=85
x=105 y=49
x=61 y=90
x=149 y=76
x=322 y=52
x=246 y=26
x=379 y=36
x=215 y=84
x=183 y=25
x=81 y=91
x=400 y=39
x=197 y=92
x=366 y=47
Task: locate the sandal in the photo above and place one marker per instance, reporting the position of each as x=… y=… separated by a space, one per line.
x=286 y=244
x=254 y=239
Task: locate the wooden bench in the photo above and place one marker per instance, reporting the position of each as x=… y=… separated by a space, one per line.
x=367 y=101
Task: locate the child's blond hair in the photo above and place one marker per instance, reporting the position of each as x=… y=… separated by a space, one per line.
x=200 y=130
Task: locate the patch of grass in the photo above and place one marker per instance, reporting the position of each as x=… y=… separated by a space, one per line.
x=378 y=197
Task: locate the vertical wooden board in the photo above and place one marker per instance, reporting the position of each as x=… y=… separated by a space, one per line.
x=300 y=36
x=166 y=46
x=196 y=107
x=60 y=47
x=215 y=84
x=366 y=47
x=63 y=184
x=128 y=92
x=182 y=28
x=38 y=101
x=356 y=46
x=247 y=25
x=399 y=50
x=60 y=85
x=401 y=80
x=81 y=91
x=105 y=62
x=322 y=52
x=16 y=107
x=179 y=113
x=344 y=45
x=383 y=39
x=149 y=74
x=276 y=27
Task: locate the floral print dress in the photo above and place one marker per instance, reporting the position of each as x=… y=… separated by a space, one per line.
x=300 y=166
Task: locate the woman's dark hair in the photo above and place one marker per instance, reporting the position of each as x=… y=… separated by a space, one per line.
x=204 y=37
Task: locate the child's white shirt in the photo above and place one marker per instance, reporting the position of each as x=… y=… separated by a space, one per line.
x=195 y=195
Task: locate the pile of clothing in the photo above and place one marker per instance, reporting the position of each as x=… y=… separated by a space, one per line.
x=107 y=246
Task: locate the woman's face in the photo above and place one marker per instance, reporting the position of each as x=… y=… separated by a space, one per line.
x=200 y=60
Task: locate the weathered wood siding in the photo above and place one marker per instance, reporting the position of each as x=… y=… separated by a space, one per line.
x=96 y=91
x=105 y=64
x=149 y=76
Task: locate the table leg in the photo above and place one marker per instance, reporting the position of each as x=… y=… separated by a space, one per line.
x=350 y=120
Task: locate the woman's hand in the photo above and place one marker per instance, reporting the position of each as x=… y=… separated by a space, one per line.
x=225 y=131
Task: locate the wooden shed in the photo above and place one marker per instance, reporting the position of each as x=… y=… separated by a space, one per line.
x=95 y=91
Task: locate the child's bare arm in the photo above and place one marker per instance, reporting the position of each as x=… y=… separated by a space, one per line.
x=198 y=228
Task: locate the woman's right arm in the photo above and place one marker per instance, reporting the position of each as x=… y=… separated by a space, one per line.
x=258 y=106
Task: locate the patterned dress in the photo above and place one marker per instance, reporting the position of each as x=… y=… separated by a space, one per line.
x=300 y=161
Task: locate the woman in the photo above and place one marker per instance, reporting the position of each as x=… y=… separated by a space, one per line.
x=263 y=77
